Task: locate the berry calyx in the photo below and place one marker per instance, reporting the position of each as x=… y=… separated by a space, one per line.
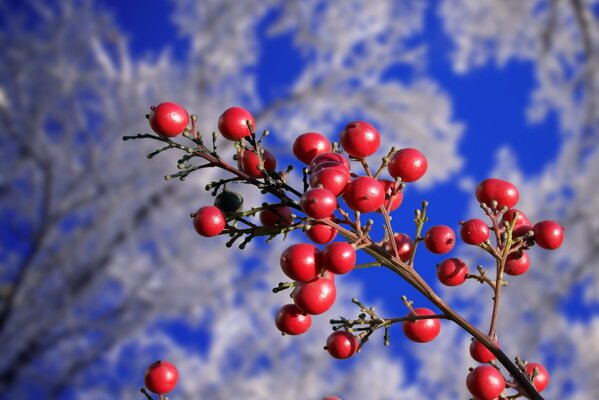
x=309 y=145
x=474 y=231
x=209 y=221
x=168 y=119
x=228 y=202
x=250 y=162
x=485 y=382
x=291 y=320
x=276 y=215
x=421 y=330
x=541 y=377
x=389 y=187
x=232 y=124
x=517 y=263
x=316 y=296
x=299 y=262
x=321 y=234
x=480 y=353
x=493 y=189
x=342 y=344
x=333 y=178
x=364 y=194
x=404 y=246
x=329 y=157
x=339 y=257
x=452 y=272
x=548 y=234
x=161 y=377
x=439 y=239
x=409 y=164
x=318 y=203
x=360 y=139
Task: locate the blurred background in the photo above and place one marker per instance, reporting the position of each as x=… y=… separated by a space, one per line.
x=102 y=273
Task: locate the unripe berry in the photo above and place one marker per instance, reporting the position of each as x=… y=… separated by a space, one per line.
x=485 y=382
x=480 y=353
x=321 y=234
x=339 y=257
x=299 y=262
x=474 y=231
x=360 y=139
x=421 y=330
x=342 y=344
x=316 y=296
x=408 y=164
x=439 y=239
x=250 y=162
x=541 y=379
x=232 y=124
x=309 y=145
x=452 y=272
x=278 y=215
x=291 y=320
x=161 y=377
x=548 y=234
x=318 y=203
x=364 y=194
x=228 y=202
x=503 y=192
x=517 y=263
x=209 y=221
x=168 y=119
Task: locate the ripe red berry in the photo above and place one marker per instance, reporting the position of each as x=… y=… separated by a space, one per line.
x=480 y=353
x=209 y=221
x=299 y=262
x=389 y=191
x=161 y=377
x=364 y=194
x=168 y=119
x=485 y=382
x=439 y=239
x=522 y=224
x=339 y=257
x=541 y=379
x=321 y=234
x=360 y=139
x=315 y=296
x=452 y=272
x=331 y=398
x=408 y=164
x=278 y=215
x=292 y=321
x=309 y=145
x=504 y=192
x=404 y=246
x=232 y=124
x=342 y=344
x=548 y=234
x=318 y=203
x=517 y=263
x=474 y=231
x=329 y=157
x=250 y=162
x=333 y=178
x=421 y=330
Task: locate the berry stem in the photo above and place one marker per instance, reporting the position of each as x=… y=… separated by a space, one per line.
x=420 y=219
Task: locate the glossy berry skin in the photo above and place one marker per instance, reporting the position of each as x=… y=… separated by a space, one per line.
x=250 y=161
x=504 y=192
x=209 y=221
x=439 y=239
x=480 y=353
x=232 y=123
x=452 y=272
x=342 y=344
x=316 y=296
x=541 y=380
x=329 y=157
x=299 y=262
x=277 y=216
x=474 y=231
x=360 y=139
x=291 y=320
x=334 y=178
x=404 y=246
x=309 y=145
x=228 y=202
x=517 y=263
x=161 y=377
x=318 y=203
x=168 y=119
x=397 y=197
x=548 y=234
x=339 y=257
x=522 y=224
x=485 y=382
x=364 y=194
x=408 y=164
x=321 y=234
x=331 y=398
x=421 y=330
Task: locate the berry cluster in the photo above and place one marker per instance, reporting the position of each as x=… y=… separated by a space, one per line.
x=334 y=199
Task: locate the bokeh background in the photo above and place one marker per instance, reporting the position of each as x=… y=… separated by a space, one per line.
x=102 y=273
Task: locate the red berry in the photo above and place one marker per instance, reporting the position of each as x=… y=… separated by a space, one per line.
x=342 y=344
x=422 y=330
x=522 y=224
x=161 y=377
x=333 y=178
x=309 y=145
x=209 y=221
x=364 y=194
x=504 y=192
x=404 y=246
x=474 y=231
x=339 y=257
x=517 y=263
x=321 y=234
x=452 y=272
x=299 y=263
x=541 y=379
x=548 y=234
x=232 y=124
x=397 y=197
x=329 y=157
x=331 y=398
x=360 y=139
x=278 y=215
x=439 y=239
x=408 y=164
x=480 y=353
x=292 y=321
x=485 y=382
x=318 y=203
x=169 y=119
x=316 y=296
x=250 y=161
